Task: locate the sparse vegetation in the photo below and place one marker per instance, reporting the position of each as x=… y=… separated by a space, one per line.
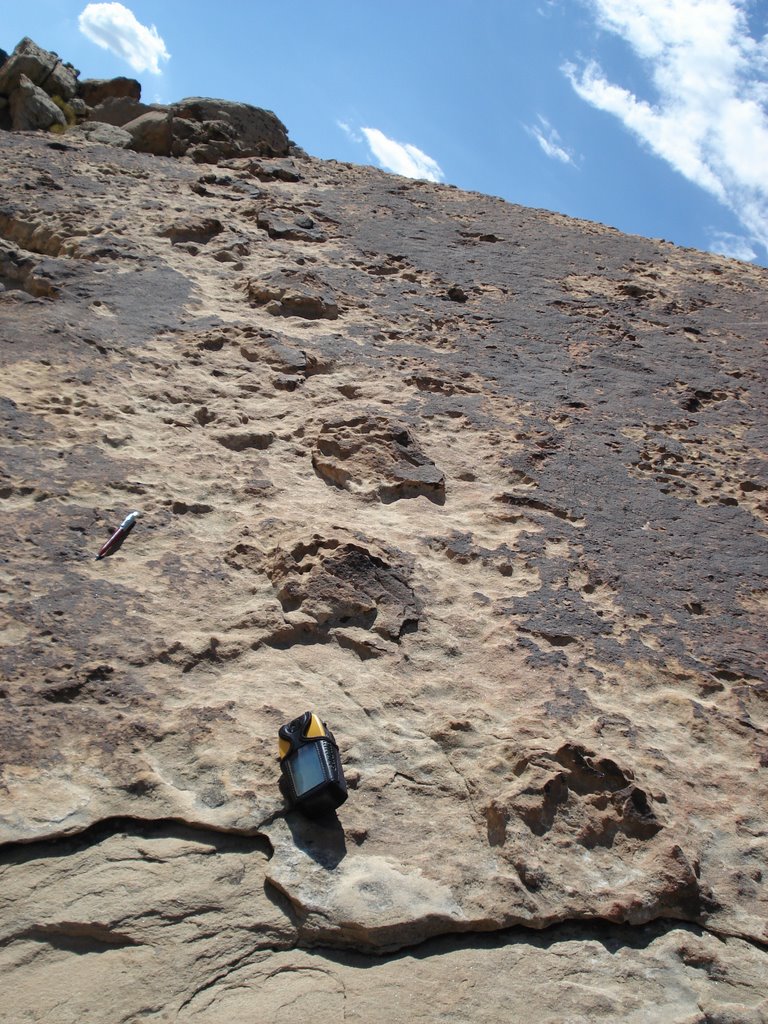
x=66 y=109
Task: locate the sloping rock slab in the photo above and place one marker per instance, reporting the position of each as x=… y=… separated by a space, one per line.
x=576 y=729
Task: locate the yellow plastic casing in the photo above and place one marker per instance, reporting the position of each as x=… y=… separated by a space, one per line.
x=315 y=728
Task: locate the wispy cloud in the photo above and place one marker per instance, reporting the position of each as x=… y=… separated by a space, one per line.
x=114 y=27
x=735 y=246
x=402 y=157
x=709 y=119
x=350 y=132
x=549 y=140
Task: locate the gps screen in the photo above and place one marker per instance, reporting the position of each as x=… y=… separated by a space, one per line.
x=307 y=768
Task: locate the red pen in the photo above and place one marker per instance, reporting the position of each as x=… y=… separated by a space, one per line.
x=118 y=536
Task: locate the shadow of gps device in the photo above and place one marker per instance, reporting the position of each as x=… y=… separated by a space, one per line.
x=312 y=778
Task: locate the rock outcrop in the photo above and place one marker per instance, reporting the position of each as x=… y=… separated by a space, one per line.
x=42 y=92
x=483 y=486
x=119 y=111
x=42 y=67
x=96 y=91
x=206 y=128
x=151 y=133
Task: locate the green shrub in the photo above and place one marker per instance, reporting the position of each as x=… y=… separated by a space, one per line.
x=66 y=110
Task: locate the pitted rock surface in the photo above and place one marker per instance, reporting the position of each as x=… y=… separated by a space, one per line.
x=371 y=455
x=293 y=293
x=546 y=669
x=339 y=582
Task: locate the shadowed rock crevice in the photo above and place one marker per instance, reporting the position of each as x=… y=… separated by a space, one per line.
x=612 y=937
x=78 y=937
x=246 y=841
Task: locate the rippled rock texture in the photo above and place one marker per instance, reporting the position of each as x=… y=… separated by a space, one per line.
x=483 y=486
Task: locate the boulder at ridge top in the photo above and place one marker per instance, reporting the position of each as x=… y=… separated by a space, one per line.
x=205 y=129
x=42 y=67
x=258 y=132
x=150 y=133
x=118 y=110
x=32 y=109
x=97 y=90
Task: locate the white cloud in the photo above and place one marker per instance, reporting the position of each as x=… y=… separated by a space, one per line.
x=549 y=140
x=114 y=27
x=349 y=131
x=402 y=157
x=735 y=246
x=708 y=120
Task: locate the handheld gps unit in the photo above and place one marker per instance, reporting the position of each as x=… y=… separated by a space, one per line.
x=312 y=777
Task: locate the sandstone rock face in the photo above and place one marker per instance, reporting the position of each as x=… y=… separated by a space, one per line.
x=483 y=486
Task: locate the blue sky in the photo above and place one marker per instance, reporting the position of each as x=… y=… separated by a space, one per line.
x=647 y=115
